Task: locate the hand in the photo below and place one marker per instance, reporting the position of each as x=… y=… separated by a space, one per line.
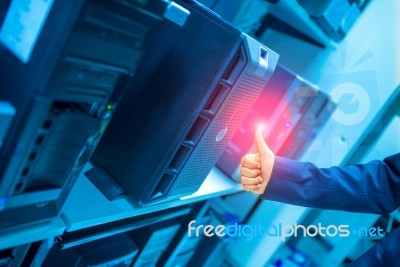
x=257 y=168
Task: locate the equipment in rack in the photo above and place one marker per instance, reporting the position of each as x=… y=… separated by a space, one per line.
x=292 y=112
x=185 y=246
x=116 y=250
x=185 y=104
x=13 y=257
x=153 y=242
x=137 y=240
x=64 y=93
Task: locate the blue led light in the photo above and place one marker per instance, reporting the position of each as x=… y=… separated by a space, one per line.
x=3 y=202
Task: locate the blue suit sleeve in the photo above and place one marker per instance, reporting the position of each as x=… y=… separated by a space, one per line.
x=385 y=253
x=372 y=188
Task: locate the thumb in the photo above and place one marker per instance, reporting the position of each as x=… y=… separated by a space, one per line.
x=262 y=147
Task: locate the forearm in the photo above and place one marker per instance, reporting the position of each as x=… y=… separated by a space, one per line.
x=372 y=187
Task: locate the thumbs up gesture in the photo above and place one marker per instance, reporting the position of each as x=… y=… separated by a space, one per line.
x=257 y=168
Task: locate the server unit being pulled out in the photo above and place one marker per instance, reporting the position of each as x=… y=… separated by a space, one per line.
x=192 y=91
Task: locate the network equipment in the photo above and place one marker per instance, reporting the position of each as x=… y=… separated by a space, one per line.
x=65 y=75
x=190 y=94
x=153 y=241
x=116 y=250
x=292 y=111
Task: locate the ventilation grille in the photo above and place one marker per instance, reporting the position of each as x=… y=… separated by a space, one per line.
x=211 y=110
x=57 y=145
x=227 y=106
x=208 y=151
